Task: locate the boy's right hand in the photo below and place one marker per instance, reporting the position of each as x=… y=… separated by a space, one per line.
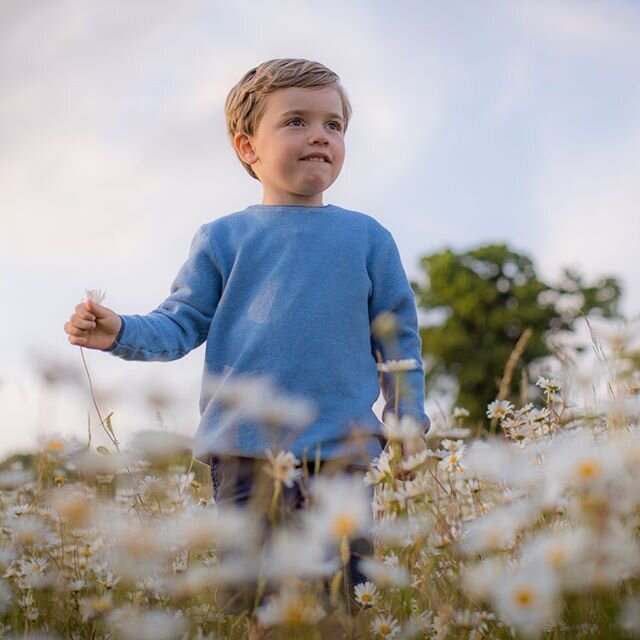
x=93 y=326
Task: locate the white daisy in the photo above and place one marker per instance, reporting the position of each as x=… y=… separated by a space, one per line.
x=499 y=409
x=550 y=386
x=385 y=626
x=152 y=488
x=366 y=594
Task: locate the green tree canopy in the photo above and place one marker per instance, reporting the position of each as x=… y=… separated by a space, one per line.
x=479 y=303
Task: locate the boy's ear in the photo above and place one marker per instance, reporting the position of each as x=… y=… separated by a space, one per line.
x=244 y=146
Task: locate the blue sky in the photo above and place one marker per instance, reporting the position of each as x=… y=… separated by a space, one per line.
x=516 y=122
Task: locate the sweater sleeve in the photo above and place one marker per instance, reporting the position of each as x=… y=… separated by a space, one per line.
x=181 y=322
x=391 y=292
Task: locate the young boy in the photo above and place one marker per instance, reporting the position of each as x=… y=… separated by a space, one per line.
x=288 y=288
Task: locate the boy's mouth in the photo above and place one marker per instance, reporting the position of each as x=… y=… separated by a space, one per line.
x=317 y=157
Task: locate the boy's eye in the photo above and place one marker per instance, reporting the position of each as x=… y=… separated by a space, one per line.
x=295 y=122
x=335 y=126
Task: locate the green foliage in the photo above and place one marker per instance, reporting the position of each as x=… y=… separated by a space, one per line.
x=479 y=303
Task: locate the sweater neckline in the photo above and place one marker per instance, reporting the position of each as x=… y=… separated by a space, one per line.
x=289 y=207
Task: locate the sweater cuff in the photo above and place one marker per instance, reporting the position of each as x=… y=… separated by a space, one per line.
x=116 y=342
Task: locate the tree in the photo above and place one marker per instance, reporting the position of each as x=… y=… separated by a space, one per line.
x=479 y=303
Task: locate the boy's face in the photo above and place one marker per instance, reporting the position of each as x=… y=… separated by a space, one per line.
x=298 y=148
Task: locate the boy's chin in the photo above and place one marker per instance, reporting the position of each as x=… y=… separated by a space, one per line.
x=314 y=187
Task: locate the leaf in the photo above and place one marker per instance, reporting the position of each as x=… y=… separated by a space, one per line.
x=103 y=450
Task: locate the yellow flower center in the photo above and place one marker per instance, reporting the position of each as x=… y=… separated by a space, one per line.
x=556 y=557
x=366 y=597
x=55 y=445
x=524 y=597
x=588 y=469
x=344 y=525
x=385 y=629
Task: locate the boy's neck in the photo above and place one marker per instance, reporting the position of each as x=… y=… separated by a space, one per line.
x=292 y=200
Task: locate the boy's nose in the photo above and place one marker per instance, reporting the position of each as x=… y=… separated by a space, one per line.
x=318 y=135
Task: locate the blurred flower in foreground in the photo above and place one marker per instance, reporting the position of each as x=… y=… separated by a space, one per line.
x=498 y=529
x=149 y=625
x=341 y=508
x=282 y=467
x=384 y=326
x=290 y=608
x=397 y=366
x=629 y=618
x=527 y=597
x=384 y=575
x=73 y=506
x=460 y=412
x=227 y=527
x=297 y=555
x=159 y=446
x=11 y=479
x=257 y=399
x=405 y=429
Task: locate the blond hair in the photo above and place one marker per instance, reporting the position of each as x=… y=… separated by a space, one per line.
x=245 y=104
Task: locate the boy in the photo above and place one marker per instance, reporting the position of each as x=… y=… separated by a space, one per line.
x=287 y=288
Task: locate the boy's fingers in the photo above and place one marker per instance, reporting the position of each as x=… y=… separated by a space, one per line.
x=96 y=309
x=78 y=322
x=83 y=312
x=81 y=342
x=73 y=330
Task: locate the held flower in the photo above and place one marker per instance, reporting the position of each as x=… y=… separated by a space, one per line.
x=95 y=295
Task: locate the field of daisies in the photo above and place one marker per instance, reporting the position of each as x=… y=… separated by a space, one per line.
x=524 y=527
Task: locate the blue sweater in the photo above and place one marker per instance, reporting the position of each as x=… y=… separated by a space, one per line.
x=288 y=292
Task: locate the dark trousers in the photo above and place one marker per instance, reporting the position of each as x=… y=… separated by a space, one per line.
x=242 y=482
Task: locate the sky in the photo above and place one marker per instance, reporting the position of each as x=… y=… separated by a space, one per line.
x=515 y=122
